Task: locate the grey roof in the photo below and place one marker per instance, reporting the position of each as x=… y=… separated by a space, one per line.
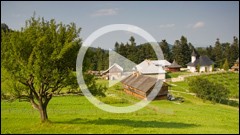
x=194 y=53
x=147 y=67
x=140 y=82
x=174 y=65
x=202 y=61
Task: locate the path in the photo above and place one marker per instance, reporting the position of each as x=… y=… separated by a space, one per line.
x=182 y=77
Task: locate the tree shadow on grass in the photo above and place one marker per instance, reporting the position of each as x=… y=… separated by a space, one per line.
x=130 y=123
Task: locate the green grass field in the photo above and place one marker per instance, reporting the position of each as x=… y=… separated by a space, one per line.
x=230 y=80
x=176 y=74
x=75 y=114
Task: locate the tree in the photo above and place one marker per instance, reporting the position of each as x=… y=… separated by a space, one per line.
x=40 y=57
x=210 y=53
x=4 y=27
x=182 y=51
x=225 y=65
x=132 y=50
x=234 y=49
x=166 y=50
x=218 y=53
x=185 y=51
x=99 y=55
x=116 y=47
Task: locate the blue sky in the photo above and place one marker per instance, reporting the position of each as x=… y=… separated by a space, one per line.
x=200 y=22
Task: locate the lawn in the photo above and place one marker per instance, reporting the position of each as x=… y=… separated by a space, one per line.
x=176 y=74
x=75 y=114
x=229 y=80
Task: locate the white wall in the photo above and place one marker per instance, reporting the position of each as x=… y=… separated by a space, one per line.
x=192 y=69
x=202 y=69
x=209 y=68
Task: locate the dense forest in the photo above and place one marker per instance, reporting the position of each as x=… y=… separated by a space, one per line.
x=97 y=58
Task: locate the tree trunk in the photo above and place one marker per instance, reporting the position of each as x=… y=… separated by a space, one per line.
x=43 y=113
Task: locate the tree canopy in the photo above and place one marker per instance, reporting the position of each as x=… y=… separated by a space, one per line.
x=42 y=58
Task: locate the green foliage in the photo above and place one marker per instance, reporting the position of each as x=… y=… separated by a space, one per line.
x=4 y=27
x=208 y=90
x=213 y=67
x=95 y=59
x=96 y=90
x=225 y=65
x=166 y=50
x=182 y=51
x=218 y=52
x=40 y=59
x=198 y=68
x=234 y=51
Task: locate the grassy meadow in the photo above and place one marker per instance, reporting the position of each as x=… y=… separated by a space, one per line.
x=75 y=114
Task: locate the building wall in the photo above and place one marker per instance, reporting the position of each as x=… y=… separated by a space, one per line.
x=202 y=69
x=115 y=76
x=174 y=69
x=192 y=69
x=206 y=68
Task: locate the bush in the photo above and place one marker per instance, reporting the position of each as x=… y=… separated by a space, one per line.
x=208 y=90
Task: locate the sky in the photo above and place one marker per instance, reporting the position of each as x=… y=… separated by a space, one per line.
x=201 y=22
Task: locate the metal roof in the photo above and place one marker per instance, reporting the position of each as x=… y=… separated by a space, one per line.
x=161 y=62
x=140 y=82
x=174 y=65
x=202 y=61
x=147 y=67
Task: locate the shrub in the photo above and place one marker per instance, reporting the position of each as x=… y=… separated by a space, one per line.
x=208 y=90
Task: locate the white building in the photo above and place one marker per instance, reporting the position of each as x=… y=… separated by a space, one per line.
x=148 y=68
x=204 y=63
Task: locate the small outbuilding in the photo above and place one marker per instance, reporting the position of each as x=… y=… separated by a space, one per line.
x=174 y=67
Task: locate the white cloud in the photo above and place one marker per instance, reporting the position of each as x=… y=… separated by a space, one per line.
x=167 y=25
x=106 y=12
x=198 y=25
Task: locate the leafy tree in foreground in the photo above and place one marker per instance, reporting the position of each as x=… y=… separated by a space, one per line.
x=40 y=58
